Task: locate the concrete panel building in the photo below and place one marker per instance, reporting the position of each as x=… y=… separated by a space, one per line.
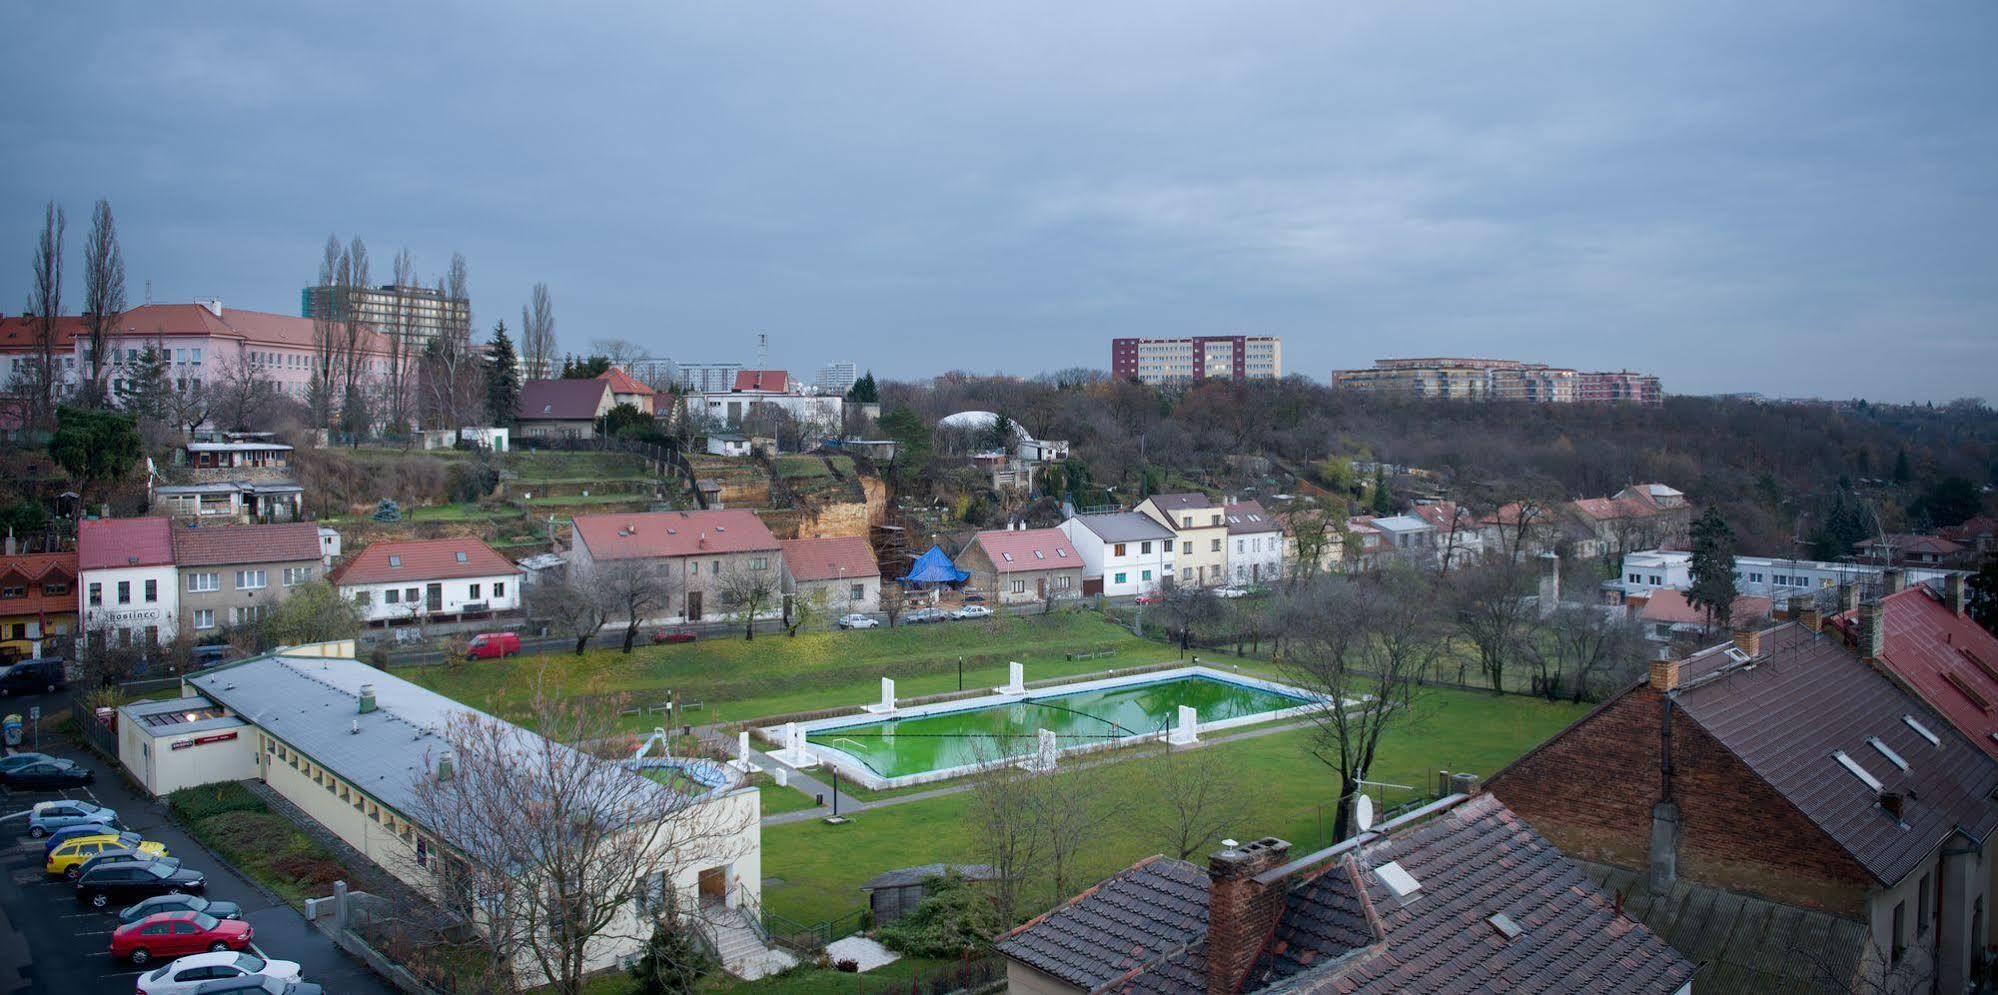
x=1198 y=357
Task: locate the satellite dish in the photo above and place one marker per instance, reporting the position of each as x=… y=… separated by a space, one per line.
x=1363 y=813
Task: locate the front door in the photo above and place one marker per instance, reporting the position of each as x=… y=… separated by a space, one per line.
x=693 y=606
x=433 y=597
x=714 y=886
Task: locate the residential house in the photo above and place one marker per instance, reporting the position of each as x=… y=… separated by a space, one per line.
x=1022 y=566
x=696 y=553
x=1202 y=530
x=37 y=604
x=243 y=477
x=1123 y=553
x=1522 y=529
x=1365 y=548
x=1641 y=516
x=1904 y=549
x=353 y=748
x=1780 y=765
x=1457 y=896
x=130 y=593
x=562 y=409
x=626 y=389
x=840 y=571
x=232 y=575
x=1408 y=538
x=772 y=390
x=1305 y=533
x=1255 y=543
x=1666 y=616
x=1979 y=534
x=1775 y=577
x=428 y=579
x=728 y=444
x=1458 y=537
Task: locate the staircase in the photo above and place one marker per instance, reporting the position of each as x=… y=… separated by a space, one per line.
x=740 y=945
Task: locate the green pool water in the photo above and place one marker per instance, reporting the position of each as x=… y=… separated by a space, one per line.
x=896 y=748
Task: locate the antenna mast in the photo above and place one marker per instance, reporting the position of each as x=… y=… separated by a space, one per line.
x=762 y=351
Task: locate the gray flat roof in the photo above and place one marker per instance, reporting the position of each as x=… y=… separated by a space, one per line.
x=1123 y=526
x=138 y=714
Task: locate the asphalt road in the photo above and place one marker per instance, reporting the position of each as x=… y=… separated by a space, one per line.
x=50 y=943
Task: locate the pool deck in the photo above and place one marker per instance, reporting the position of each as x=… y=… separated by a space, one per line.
x=852 y=768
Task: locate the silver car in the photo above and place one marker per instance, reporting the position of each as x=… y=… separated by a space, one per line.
x=47 y=817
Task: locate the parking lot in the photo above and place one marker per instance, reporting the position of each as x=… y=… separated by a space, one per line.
x=50 y=943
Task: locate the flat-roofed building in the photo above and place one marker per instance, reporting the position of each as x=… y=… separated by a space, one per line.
x=1197 y=357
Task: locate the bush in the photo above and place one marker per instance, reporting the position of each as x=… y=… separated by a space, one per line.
x=202 y=801
x=955 y=919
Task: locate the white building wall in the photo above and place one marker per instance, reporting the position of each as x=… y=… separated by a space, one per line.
x=162 y=611
x=1255 y=557
x=457 y=594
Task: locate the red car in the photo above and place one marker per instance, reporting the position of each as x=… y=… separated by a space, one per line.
x=493 y=646
x=177 y=934
x=673 y=636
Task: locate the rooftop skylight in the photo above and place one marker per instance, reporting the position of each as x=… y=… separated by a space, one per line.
x=1921 y=729
x=1399 y=881
x=1857 y=771
x=1888 y=752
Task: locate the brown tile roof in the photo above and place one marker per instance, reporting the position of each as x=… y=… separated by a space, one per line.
x=33 y=570
x=216 y=545
x=1131 y=918
x=1028 y=549
x=422 y=559
x=1670 y=605
x=17 y=333
x=1181 y=502
x=108 y=543
x=775 y=381
x=562 y=400
x=1910 y=543
x=623 y=383
x=830 y=559
x=1808 y=696
x=673 y=533
x=1248 y=517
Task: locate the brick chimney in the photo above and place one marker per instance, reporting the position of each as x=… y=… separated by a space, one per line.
x=1954 y=593
x=1872 y=634
x=1241 y=911
x=1804 y=610
x=1664 y=675
x=1750 y=641
x=1848 y=596
x=1891 y=581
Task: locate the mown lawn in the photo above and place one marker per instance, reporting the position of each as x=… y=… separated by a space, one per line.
x=737 y=680
x=239 y=826
x=813 y=871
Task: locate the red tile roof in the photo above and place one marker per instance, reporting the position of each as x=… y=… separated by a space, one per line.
x=623 y=383
x=1028 y=549
x=1441 y=514
x=673 y=533
x=109 y=543
x=562 y=400
x=217 y=545
x=1905 y=543
x=17 y=333
x=830 y=559
x=1970 y=531
x=774 y=381
x=1670 y=605
x=31 y=571
x=179 y=320
x=1925 y=645
x=422 y=559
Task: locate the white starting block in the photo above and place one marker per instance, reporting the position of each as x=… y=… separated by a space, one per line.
x=887 y=698
x=795 y=754
x=742 y=762
x=1186 y=731
x=1017 y=680
x=1045 y=753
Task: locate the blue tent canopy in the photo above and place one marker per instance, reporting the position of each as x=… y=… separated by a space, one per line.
x=934 y=567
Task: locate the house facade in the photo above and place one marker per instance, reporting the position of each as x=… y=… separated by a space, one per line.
x=1023 y=566
x=37 y=604
x=1202 y=532
x=128 y=588
x=428 y=579
x=1124 y=554
x=564 y=409
x=1255 y=543
x=839 y=573
x=626 y=389
x=233 y=575
x=695 y=552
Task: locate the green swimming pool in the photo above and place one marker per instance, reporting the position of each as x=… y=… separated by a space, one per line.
x=920 y=744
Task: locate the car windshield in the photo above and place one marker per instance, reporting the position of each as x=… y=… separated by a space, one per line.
x=161 y=973
x=159 y=868
x=204 y=922
x=248 y=964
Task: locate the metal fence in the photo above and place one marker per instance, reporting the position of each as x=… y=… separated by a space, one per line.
x=810 y=938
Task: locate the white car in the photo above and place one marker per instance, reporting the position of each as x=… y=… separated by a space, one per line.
x=972 y=611
x=857 y=621
x=1230 y=592
x=188 y=973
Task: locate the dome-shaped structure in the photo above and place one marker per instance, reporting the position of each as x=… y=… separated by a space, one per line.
x=979 y=421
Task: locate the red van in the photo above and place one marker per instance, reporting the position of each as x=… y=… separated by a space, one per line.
x=493 y=645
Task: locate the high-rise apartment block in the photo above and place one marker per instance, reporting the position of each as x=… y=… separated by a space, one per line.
x=1463 y=379
x=1200 y=357
x=836 y=378
x=421 y=313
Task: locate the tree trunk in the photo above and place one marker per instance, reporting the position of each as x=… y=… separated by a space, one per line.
x=581 y=643
x=630 y=633
x=1349 y=787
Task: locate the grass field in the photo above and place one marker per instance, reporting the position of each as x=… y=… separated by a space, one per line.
x=266 y=846
x=813 y=871
x=738 y=680
x=801 y=466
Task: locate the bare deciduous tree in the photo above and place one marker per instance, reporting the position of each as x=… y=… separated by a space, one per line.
x=1002 y=813
x=103 y=295
x=747 y=593
x=401 y=340
x=1187 y=608
x=537 y=334
x=893 y=600
x=241 y=397
x=353 y=351
x=554 y=853
x=326 y=330
x=45 y=311
x=1588 y=650
x=575 y=606
x=1190 y=796
x=637 y=589
x=1494 y=613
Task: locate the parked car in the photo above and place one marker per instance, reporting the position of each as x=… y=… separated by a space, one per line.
x=47 y=817
x=46 y=775
x=972 y=611
x=123 y=855
x=1230 y=592
x=974 y=598
x=66 y=833
x=924 y=615
x=1150 y=599
x=101 y=886
x=204 y=657
x=69 y=859
x=673 y=636
x=176 y=934
x=258 y=986
x=39 y=675
x=188 y=974
x=858 y=621
x=493 y=645
x=13 y=760
x=179 y=903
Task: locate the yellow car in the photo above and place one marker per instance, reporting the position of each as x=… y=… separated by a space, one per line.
x=68 y=856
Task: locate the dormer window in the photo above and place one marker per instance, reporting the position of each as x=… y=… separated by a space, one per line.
x=394 y=560
x=462 y=558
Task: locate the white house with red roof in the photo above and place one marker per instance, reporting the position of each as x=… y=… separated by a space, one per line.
x=1022 y=566
x=1255 y=543
x=626 y=389
x=427 y=579
x=771 y=390
x=841 y=569
x=694 y=554
x=128 y=590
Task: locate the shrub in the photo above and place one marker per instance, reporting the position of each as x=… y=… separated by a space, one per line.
x=954 y=919
x=202 y=801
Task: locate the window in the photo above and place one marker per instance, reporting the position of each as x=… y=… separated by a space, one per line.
x=499 y=590
x=694 y=566
x=13 y=592
x=1019 y=587
x=1144 y=548
x=294 y=576
x=1216 y=547
x=204 y=618
x=391 y=596
x=124 y=592
x=1120 y=578
x=1064 y=583
x=96 y=595
x=1637 y=578
x=409 y=595
x=857 y=593
x=474 y=589
x=1241 y=546
x=249 y=580
x=462 y=558
x=1900 y=924
x=1186 y=547
x=249 y=614
x=1186 y=574
x=422 y=852
x=204 y=582
x=1144 y=575
x=394 y=560
x=1922 y=905
x=1117 y=550
x=54 y=589
x=152 y=591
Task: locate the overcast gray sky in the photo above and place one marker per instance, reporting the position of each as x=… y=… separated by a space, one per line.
x=1796 y=198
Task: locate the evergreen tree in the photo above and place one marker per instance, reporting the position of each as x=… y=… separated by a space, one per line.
x=864 y=390
x=94 y=445
x=147 y=381
x=1901 y=472
x=673 y=963
x=502 y=378
x=1383 y=499
x=1847 y=520
x=1713 y=589
x=1984 y=594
